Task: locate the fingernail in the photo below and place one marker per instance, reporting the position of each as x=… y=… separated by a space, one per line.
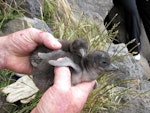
x=56 y=43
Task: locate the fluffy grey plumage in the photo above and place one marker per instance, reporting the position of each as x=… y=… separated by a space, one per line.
x=83 y=67
x=78 y=47
x=90 y=68
x=43 y=72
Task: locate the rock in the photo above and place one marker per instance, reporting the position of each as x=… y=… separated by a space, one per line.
x=13 y=26
x=134 y=101
x=145 y=85
x=37 y=23
x=116 y=49
x=93 y=8
x=24 y=22
x=33 y=8
x=128 y=68
x=145 y=65
x=136 y=96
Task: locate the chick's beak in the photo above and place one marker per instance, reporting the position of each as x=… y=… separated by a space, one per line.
x=82 y=52
x=111 y=67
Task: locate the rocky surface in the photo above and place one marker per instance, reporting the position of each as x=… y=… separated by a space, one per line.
x=24 y=22
x=33 y=8
x=127 y=67
x=134 y=101
x=96 y=9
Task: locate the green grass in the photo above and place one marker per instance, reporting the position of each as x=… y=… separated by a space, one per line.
x=101 y=99
x=27 y=108
x=49 y=11
x=9 y=12
x=66 y=26
x=6 y=77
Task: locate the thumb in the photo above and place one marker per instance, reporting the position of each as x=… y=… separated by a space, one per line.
x=86 y=87
x=62 y=77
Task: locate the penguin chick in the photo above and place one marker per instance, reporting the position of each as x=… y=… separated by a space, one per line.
x=92 y=66
x=78 y=47
x=43 y=75
x=89 y=68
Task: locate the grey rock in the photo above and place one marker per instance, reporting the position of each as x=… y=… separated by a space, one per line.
x=145 y=85
x=134 y=101
x=33 y=8
x=96 y=10
x=127 y=67
x=13 y=26
x=24 y=22
x=116 y=49
x=93 y=8
x=37 y=23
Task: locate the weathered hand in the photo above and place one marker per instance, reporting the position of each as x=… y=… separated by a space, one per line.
x=62 y=97
x=16 y=48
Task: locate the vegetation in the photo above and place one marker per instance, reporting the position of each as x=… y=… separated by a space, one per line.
x=9 y=12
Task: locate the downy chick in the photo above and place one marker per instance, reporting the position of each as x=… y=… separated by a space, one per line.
x=43 y=72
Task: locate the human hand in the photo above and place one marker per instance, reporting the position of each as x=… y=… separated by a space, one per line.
x=62 y=97
x=16 y=48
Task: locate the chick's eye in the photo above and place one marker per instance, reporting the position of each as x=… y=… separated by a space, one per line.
x=104 y=63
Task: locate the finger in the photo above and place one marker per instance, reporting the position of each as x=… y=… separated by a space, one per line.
x=49 y=40
x=45 y=38
x=82 y=91
x=62 y=77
